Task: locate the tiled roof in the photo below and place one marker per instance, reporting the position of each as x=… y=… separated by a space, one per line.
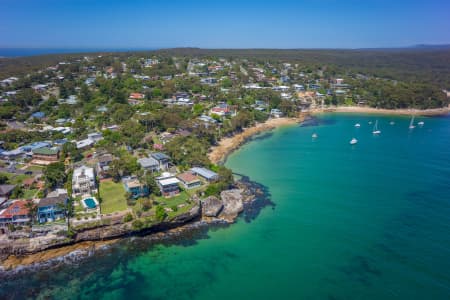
x=18 y=208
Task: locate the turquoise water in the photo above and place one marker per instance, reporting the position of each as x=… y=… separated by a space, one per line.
x=90 y=203
x=369 y=221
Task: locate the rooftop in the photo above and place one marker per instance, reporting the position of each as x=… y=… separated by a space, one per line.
x=187 y=177
x=168 y=181
x=46 y=151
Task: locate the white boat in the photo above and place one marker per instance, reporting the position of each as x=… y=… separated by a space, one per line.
x=314 y=135
x=370 y=122
x=421 y=123
x=357 y=125
x=353 y=141
x=392 y=123
x=375 y=128
x=411 y=124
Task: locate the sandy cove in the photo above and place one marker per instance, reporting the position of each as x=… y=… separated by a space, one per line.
x=227 y=145
x=381 y=111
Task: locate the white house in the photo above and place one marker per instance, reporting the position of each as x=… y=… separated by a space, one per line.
x=83 y=181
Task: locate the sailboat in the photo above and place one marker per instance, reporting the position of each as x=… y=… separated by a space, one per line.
x=314 y=135
x=411 y=124
x=375 y=128
x=353 y=141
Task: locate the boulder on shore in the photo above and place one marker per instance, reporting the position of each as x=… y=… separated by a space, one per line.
x=232 y=204
x=211 y=206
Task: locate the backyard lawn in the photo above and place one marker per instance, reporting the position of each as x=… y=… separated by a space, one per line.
x=113 y=197
x=176 y=200
x=29 y=194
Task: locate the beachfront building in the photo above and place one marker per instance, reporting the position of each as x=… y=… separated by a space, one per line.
x=205 y=173
x=15 y=214
x=189 y=180
x=52 y=207
x=83 y=181
x=168 y=185
x=135 y=188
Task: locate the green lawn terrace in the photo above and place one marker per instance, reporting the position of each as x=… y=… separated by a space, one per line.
x=112 y=195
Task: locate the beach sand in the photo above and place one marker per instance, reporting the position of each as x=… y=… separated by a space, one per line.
x=227 y=145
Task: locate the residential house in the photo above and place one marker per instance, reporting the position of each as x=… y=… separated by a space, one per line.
x=84 y=144
x=135 y=98
x=205 y=173
x=45 y=156
x=168 y=186
x=13 y=154
x=189 y=180
x=103 y=165
x=135 y=188
x=15 y=214
x=83 y=181
x=276 y=113
x=149 y=164
x=223 y=109
x=6 y=190
x=163 y=160
x=52 y=207
x=33 y=146
x=95 y=136
x=207 y=119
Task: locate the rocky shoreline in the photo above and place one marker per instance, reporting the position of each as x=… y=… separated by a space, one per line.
x=248 y=198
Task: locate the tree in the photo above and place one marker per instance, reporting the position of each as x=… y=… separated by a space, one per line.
x=3 y=179
x=132 y=133
x=160 y=213
x=150 y=181
x=32 y=209
x=85 y=94
x=70 y=149
x=55 y=175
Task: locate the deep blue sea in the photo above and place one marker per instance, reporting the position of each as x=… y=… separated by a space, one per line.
x=369 y=221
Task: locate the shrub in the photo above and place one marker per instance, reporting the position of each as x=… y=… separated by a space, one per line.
x=137 y=224
x=160 y=213
x=128 y=218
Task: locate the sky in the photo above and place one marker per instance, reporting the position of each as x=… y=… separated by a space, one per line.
x=149 y=24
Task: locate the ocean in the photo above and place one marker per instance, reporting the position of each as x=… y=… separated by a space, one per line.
x=369 y=221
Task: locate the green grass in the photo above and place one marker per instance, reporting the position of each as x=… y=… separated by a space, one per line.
x=180 y=211
x=16 y=179
x=113 y=197
x=176 y=200
x=29 y=194
x=35 y=168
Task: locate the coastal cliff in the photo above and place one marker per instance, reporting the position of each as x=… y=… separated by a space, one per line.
x=212 y=210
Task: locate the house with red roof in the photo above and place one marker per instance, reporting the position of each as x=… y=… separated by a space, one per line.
x=15 y=214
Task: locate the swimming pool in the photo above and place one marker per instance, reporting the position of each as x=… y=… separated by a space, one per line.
x=90 y=203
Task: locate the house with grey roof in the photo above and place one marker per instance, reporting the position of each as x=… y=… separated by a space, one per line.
x=205 y=173
x=149 y=164
x=162 y=159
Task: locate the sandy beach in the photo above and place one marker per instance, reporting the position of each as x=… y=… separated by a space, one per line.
x=227 y=145
x=371 y=110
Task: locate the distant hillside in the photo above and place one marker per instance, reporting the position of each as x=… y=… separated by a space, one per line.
x=422 y=63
